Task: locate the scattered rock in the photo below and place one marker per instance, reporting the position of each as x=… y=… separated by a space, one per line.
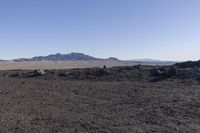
x=37 y=72
x=99 y=72
x=121 y=73
x=158 y=71
x=171 y=71
x=165 y=71
x=139 y=67
x=18 y=74
x=23 y=82
x=64 y=74
x=188 y=64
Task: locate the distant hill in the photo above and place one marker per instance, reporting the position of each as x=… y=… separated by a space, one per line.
x=83 y=57
x=3 y=60
x=63 y=57
x=113 y=58
x=147 y=60
x=152 y=61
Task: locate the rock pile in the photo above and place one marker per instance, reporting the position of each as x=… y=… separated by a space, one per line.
x=165 y=71
x=188 y=64
x=24 y=74
x=122 y=73
x=36 y=72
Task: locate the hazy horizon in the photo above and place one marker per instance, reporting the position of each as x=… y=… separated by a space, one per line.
x=129 y=29
x=136 y=59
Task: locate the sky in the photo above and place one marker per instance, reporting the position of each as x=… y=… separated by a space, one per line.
x=126 y=29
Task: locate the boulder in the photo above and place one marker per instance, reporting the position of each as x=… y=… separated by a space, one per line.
x=139 y=67
x=37 y=72
x=158 y=71
x=165 y=71
x=188 y=64
x=104 y=67
x=64 y=74
x=171 y=71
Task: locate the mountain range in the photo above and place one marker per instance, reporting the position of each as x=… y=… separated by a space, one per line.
x=83 y=57
x=64 y=57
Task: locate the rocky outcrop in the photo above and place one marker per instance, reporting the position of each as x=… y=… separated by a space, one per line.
x=37 y=72
x=188 y=64
x=165 y=71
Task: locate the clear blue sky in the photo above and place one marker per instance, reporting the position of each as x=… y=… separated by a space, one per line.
x=127 y=29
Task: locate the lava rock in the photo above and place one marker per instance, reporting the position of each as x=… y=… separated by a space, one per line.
x=37 y=72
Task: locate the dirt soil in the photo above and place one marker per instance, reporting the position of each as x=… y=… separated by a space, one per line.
x=30 y=65
x=57 y=104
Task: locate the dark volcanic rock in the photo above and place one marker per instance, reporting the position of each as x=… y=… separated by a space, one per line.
x=188 y=64
x=64 y=74
x=40 y=105
x=37 y=72
x=165 y=71
x=158 y=71
x=123 y=73
x=171 y=71
x=17 y=74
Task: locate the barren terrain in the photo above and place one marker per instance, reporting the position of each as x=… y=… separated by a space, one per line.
x=140 y=99
x=9 y=65
x=29 y=65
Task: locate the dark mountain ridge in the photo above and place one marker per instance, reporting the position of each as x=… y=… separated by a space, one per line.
x=84 y=57
x=64 y=57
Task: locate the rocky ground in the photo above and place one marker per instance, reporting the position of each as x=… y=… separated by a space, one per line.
x=141 y=99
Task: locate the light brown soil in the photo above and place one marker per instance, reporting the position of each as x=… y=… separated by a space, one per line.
x=7 y=65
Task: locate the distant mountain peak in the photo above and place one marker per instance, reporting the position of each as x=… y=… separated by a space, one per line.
x=60 y=57
x=113 y=58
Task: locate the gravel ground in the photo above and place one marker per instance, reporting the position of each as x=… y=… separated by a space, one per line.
x=42 y=105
